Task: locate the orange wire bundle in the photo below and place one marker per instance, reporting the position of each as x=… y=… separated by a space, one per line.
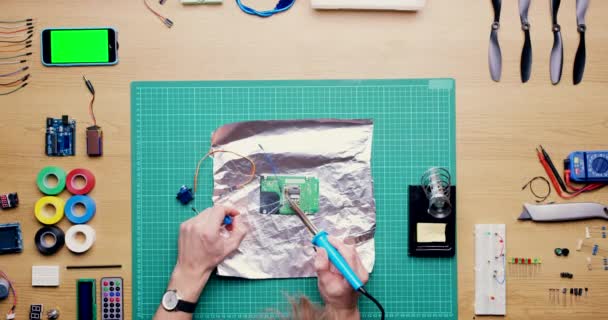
x=212 y=152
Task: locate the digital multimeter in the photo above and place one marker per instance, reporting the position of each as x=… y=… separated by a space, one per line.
x=589 y=166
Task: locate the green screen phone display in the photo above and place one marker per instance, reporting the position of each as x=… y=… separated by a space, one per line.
x=80 y=46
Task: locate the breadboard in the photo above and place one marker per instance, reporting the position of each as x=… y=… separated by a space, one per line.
x=490 y=273
x=172 y=122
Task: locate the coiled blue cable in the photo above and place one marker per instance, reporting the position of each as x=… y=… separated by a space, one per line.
x=283 y=5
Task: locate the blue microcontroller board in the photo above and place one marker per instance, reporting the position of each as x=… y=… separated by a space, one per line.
x=60 y=137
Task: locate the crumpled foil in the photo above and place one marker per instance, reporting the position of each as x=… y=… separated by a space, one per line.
x=337 y=152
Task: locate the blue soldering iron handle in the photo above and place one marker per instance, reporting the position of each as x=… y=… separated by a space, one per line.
x=320 y=240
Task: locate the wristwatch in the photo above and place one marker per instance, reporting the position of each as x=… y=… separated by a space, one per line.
x=173 y=302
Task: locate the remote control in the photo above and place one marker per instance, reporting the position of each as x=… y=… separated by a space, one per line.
x=112 y=306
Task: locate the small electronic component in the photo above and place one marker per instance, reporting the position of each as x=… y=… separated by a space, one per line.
x=36 y=311
x=60 y=139
x=201 y=1
x=5 y=287
x=11 y=239
x=52 y=314
x=302 y=190
x=184 y=195
x=590 y=232
x=561 y=252
x=9 y=200
x=94 y=133
x=566 y=275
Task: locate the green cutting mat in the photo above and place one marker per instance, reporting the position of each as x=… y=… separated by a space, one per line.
x=171 y=127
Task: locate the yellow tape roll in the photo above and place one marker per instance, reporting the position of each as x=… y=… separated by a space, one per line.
x=44 y=218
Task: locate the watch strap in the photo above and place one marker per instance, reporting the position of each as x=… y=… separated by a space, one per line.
x=185 y=306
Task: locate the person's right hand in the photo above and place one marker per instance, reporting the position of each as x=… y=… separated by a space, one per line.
x=336 y=292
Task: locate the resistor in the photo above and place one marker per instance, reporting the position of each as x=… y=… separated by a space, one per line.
x=596 y=248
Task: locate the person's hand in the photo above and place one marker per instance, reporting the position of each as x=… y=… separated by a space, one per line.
x=336 y=292
x=202 y=246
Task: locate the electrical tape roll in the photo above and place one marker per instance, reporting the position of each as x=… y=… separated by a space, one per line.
x=76 y=246
x=42 y=178
x=54 y=232
x=89 y=181
x=88 y=204
x=44 y=218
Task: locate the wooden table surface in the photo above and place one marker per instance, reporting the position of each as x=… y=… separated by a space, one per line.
x=498 y=124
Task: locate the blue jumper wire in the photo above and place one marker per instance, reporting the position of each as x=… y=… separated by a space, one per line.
x=282 y=5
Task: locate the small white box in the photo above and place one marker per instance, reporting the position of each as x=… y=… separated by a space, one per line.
x=45 y=276
x=401 y=5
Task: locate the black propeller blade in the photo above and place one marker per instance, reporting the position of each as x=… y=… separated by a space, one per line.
x=557 y=52
x=526 y=52
x=494 y=54
x=581 y=52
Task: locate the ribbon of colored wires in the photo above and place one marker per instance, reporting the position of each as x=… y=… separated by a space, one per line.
x=166 y=21
x=92 y=91
x=251 y=175
x=283 y=5
x=10 y=288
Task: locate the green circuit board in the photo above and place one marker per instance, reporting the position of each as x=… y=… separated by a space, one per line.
x=303 y=190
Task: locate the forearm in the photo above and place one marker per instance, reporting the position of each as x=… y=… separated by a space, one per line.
x=189 y=286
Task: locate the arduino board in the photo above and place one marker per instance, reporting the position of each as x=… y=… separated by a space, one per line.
x=303 y=190
x=60 y=140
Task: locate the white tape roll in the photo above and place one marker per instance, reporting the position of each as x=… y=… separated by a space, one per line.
x=75 y=245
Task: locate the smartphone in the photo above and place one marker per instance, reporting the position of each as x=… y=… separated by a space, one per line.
x=79 y=47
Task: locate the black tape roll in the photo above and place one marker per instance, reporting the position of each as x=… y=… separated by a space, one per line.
x=53 y=231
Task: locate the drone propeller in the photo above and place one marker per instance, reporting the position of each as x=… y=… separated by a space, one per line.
x=526 y=52
x=494 y=54
x=580 y=58
x=557 y=52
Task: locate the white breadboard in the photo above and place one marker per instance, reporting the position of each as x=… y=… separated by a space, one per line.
x=490 y=273
x=402 y=5
x=45 y=276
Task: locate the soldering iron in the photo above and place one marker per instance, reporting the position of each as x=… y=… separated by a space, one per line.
x=320 y=240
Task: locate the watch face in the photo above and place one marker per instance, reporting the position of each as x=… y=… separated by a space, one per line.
x=170 y=300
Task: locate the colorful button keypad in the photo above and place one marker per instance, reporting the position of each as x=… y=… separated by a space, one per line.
x=111 y=289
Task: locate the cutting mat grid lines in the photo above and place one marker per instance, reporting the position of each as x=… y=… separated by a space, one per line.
x=172 y=124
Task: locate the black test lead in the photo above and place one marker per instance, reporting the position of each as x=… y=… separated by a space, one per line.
x=94 y=133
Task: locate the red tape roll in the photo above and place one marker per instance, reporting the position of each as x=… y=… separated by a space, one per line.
x=88 y=177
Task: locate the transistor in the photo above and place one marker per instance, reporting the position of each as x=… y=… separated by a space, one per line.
x=60 y=139
x=9 y=200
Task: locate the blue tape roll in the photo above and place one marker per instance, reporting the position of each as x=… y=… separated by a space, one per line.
x=88 y=204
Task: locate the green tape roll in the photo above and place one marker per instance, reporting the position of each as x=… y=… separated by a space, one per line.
x=42 y=180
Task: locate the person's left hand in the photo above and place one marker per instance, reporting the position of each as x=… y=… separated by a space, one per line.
x=202 y=247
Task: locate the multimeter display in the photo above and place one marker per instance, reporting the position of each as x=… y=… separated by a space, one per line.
x=589 y=166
